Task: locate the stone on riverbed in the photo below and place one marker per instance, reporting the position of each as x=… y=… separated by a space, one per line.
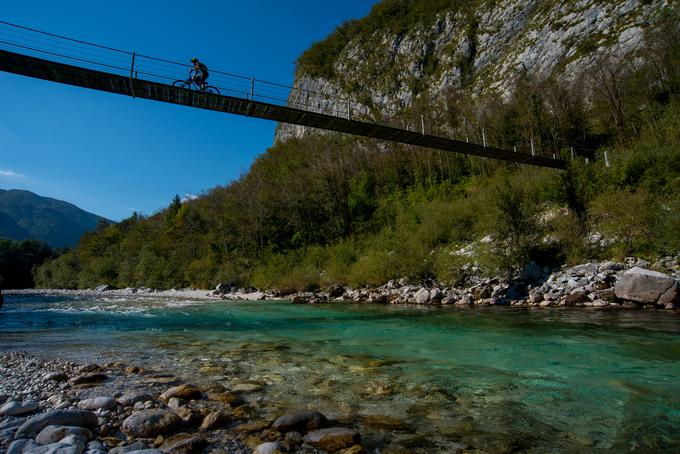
x=333 y=439
x=271 y=447
x=104 y=403
x=55 y=376
x=134 y=447
x=87 y=379
x=54 y=434
x=215 y=420
x=186 y=392
x=183 y=443
x=131 y=398
x=78 y=418
x=306 y=420
x=150 y=423
x=16 y=408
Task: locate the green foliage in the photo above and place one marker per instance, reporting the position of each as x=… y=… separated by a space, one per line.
x=18 y=259
x=333 y=209
x=628 y=218
x=391 y=16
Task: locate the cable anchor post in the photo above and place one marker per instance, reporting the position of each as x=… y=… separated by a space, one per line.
x=132 y=70
x=252 y=88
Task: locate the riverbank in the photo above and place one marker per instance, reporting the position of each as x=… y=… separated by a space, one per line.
x=193 y=294
x=118 y=408
x=597 y=285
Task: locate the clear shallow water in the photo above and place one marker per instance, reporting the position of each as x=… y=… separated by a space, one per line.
x=497 y=379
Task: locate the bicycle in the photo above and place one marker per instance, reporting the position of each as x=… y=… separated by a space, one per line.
x=190 y=84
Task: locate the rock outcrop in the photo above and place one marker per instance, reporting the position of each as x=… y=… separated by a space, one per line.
x=481 y=50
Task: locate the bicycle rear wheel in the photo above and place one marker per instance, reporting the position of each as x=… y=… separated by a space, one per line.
x=212 y=90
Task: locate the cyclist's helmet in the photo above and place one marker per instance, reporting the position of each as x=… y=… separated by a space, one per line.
x=194 y=60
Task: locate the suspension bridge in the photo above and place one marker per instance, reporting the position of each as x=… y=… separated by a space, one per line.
x=42 y=55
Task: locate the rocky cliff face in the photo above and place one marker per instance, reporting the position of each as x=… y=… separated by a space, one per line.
x=475 y=50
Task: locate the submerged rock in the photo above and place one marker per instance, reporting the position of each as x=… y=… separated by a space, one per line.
x=333 y=439
x=186 y=392
x=271 y=447
x=87 y=379
x=302 y=421
x=215 y=420
x=183 y=443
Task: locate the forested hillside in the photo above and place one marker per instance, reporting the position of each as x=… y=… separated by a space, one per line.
x=327 y=209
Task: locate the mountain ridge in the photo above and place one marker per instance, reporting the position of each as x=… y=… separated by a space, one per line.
x=26 y=215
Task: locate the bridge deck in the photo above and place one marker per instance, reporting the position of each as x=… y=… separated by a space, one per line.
x=97 y=80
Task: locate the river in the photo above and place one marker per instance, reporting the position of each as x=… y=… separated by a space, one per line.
x=438 y=379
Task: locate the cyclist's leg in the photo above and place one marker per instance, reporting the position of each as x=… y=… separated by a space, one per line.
x=196 y=77
x=204 y=78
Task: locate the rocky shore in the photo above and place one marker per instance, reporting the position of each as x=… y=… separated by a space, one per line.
x=56 y=406
x=601 y=285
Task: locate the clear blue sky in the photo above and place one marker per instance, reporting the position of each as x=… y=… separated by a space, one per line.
x=112 y=154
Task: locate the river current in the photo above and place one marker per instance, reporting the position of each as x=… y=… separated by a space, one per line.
x=420 y=379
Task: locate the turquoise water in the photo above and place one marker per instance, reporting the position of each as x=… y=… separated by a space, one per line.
x=496 y=379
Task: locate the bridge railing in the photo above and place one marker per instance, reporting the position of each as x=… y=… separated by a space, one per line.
x=63 y=49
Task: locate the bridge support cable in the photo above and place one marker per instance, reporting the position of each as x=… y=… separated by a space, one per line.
x=34 y=53
x=122 y=84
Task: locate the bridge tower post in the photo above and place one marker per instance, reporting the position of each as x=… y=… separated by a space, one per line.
x=132 y=70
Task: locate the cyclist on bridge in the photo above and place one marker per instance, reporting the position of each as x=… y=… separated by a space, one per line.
x=200 y=73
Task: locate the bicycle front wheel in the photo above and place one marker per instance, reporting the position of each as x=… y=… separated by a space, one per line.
x=212 y=90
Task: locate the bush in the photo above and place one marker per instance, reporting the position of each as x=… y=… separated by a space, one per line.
x=630 y=219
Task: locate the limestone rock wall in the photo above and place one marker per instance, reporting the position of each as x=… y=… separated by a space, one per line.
x=478 y=52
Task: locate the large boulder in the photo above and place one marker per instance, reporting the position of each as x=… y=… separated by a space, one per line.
x=422 y=296
x=647 y=287
x=151 y=423
x=77 y=418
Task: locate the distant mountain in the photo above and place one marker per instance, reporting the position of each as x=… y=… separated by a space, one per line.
x=24 y=215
